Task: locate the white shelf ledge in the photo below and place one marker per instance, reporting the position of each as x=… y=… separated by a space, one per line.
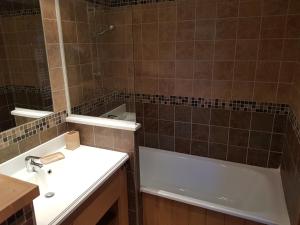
x=103 y=122
x=30 y=113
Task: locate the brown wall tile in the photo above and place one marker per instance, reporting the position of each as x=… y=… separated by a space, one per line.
x=9 y=152
x=199 y=148
x=218 y=134
x=183 y=113
x=29 y=143
x=259 y=140
x=104 y=137
x=217 y=151
x=182 y=145
x=201 y=116
x=238 y=137
x=257 y=157
x=48 y=134
x=219 y=117
x=200 y=132
x=262 y=122
x=237 y=154
x=240 y=119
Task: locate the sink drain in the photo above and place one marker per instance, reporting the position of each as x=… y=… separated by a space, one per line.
x=49 y=194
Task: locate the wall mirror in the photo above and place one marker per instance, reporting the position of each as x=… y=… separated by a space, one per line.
x=25 y=93
x=98 y=46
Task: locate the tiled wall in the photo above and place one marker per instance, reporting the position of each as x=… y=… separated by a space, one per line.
x=115 y=48
x=25 y=137
x=97 y=65
x=118 y=140
x=23 y=44
x=24 y=71
x=254 y=138
x=233 y=49
x=78 y=50
x=24 y=216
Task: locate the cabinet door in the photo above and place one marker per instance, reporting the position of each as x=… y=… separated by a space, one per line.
x=114 y=191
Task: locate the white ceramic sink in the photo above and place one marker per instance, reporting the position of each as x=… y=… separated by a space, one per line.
x=71 y=180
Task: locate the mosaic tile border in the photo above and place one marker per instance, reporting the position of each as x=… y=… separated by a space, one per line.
x=118 y=3
x=234 y=105
x=20 y=133
x=93 y=104
x=21 y=12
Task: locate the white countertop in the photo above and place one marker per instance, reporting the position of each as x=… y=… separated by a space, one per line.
x=73 y=179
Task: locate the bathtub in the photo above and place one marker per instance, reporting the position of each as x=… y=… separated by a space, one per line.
x=244 y=191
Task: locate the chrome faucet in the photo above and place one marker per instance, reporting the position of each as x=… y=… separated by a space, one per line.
x=31 y=164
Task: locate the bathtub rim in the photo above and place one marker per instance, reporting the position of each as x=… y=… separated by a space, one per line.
x=219 y=161
x=205 y=204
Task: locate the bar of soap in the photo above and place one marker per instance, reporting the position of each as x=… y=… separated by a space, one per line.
x=72 y=140
x=52 y=158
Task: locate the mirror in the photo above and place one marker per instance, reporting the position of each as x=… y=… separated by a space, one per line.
x=98 y=45
x=25 y=92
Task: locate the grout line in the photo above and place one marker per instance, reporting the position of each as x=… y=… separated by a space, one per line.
x=249 y=136
x=212 y=75
x=257 y=54
x=270 y=142
x=175 y=71
x=194 y=60
x=228 y=135
x=255 y=74
x=232 y=79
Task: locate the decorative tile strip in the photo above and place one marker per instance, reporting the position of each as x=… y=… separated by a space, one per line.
x=20 y=12
x=20 y=133
x=118 y=3
x=234 y=105
x=95 y=103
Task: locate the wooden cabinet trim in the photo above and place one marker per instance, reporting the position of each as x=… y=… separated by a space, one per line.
x=14 y=195
x=93 y=209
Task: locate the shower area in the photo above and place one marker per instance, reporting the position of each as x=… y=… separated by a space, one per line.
x=98 y=45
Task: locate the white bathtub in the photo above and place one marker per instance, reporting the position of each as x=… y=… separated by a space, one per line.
x=240 y=190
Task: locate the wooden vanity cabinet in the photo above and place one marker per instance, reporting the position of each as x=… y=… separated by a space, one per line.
x=106 y=206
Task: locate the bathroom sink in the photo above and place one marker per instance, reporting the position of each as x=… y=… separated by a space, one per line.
x=44 y=178
x=66 y=183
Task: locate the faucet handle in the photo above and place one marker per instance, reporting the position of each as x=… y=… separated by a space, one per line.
x=30 y=157
x=31 y=164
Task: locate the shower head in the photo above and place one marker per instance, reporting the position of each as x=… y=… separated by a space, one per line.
x=109 y=28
